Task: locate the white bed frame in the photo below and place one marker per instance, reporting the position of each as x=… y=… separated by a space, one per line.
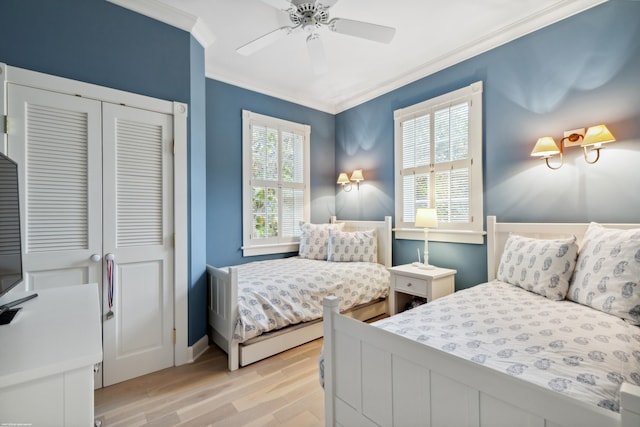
x=375 y=378
x=223 y=307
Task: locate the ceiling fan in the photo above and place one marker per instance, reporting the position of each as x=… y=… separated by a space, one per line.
x=312 y=16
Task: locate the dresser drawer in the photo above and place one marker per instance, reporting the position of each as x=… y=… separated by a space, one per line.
x=412 y=285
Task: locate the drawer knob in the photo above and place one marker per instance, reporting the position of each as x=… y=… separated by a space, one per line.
x=409 y=284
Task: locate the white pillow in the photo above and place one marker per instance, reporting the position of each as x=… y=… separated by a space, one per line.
x=540 y=266
x=607 y=275
x=352 y=246
x=314 y=239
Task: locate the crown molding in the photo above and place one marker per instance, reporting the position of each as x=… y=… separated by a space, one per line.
x=513 y=31
x=302 y=101
x=172 y=16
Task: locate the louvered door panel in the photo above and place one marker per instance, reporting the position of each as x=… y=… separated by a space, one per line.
x=138 y=231
x=57 y=175
x=139 y=184
x=56 y=141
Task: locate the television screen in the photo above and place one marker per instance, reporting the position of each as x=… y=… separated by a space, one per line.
x=10 y=242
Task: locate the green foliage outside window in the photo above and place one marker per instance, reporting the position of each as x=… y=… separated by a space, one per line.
x=265 y=212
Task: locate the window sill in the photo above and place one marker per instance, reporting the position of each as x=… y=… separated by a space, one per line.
x=435 y=235
x=275 y=248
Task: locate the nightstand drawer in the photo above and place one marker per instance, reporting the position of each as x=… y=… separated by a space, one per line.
x=411 y=285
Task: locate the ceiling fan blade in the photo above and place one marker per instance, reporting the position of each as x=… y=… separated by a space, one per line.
x=365 y=30
x=326 y=3
x=263 y=41
x=316 y=53
x=279 y=4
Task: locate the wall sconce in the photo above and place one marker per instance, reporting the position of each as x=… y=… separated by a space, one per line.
x=592 y=139
x=347 y=183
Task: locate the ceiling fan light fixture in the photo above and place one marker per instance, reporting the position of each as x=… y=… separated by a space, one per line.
x=309 y=16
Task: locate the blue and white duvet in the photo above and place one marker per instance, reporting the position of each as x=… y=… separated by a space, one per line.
x=277 y=293
x=560 y=345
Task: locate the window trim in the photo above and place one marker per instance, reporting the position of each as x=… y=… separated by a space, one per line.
x=280 y=244
x=462 y=233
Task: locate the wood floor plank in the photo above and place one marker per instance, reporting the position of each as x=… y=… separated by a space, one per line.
x=282 y=390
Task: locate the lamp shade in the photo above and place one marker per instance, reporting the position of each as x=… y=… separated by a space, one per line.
x=597 y=135
x=343 y=178
x=545 y=147
x=357 y=175
x=426 y=218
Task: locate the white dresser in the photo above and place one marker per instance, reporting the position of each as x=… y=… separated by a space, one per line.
x=47 y=355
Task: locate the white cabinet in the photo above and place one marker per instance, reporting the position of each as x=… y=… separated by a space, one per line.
x=47 y=357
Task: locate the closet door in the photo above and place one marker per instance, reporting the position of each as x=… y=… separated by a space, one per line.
x=138 y=235
x=56 y=141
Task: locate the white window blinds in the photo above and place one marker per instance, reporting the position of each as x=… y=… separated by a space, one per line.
x=275 y=191
x=436 y=144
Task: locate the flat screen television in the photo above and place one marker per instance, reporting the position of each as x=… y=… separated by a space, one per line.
x=11 y=273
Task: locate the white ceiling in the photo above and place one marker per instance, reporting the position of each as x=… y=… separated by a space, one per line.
x=430 y=36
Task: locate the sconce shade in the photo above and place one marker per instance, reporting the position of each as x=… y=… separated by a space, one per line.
x=545 y=147
x=426 y=218
x=596 y=136
x=343 y=178
x=357 y=175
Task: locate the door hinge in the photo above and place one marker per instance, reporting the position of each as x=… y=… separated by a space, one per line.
x=174 y=335
x=5 y=123
x=174 y=147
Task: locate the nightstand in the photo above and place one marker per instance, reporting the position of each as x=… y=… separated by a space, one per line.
x=409 y=281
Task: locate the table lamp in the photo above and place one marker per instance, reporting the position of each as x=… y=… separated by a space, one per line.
x=426 y=218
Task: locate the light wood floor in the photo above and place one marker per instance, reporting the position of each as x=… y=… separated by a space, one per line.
x=282 y=390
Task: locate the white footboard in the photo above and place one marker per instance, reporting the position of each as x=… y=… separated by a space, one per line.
x=375 y=378
x=223 y=310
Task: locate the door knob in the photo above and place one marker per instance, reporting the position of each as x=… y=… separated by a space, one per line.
x=95 y=257
x=109 y=257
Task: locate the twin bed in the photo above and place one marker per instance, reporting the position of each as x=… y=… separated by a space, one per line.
x=553 y=342
x=263 y=308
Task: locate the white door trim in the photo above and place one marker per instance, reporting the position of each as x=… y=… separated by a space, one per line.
x=181 y=242
x=9 y=74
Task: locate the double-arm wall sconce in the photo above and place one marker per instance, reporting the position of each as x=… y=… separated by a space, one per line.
x=591 y=140
x=347 y=183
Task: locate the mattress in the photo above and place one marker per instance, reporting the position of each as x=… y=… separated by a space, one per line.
x=560 y=345
x=277 y=293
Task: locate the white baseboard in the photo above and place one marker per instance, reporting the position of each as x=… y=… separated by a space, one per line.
x=197 y=349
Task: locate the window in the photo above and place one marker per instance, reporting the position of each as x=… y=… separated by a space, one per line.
x=275 y=190
x=438 y=163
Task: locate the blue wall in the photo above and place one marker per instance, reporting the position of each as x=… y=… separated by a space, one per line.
x=224 y=164
x=197 y=196
x=98 y=42
x=579 y=72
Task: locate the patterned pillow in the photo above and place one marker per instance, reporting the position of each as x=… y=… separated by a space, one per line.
x=314 y=239
x=608 y=272
x=540 y=266
x=347 y=246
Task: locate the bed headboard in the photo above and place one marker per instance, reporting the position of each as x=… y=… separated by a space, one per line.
x=383 y=232
x=498 y=232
